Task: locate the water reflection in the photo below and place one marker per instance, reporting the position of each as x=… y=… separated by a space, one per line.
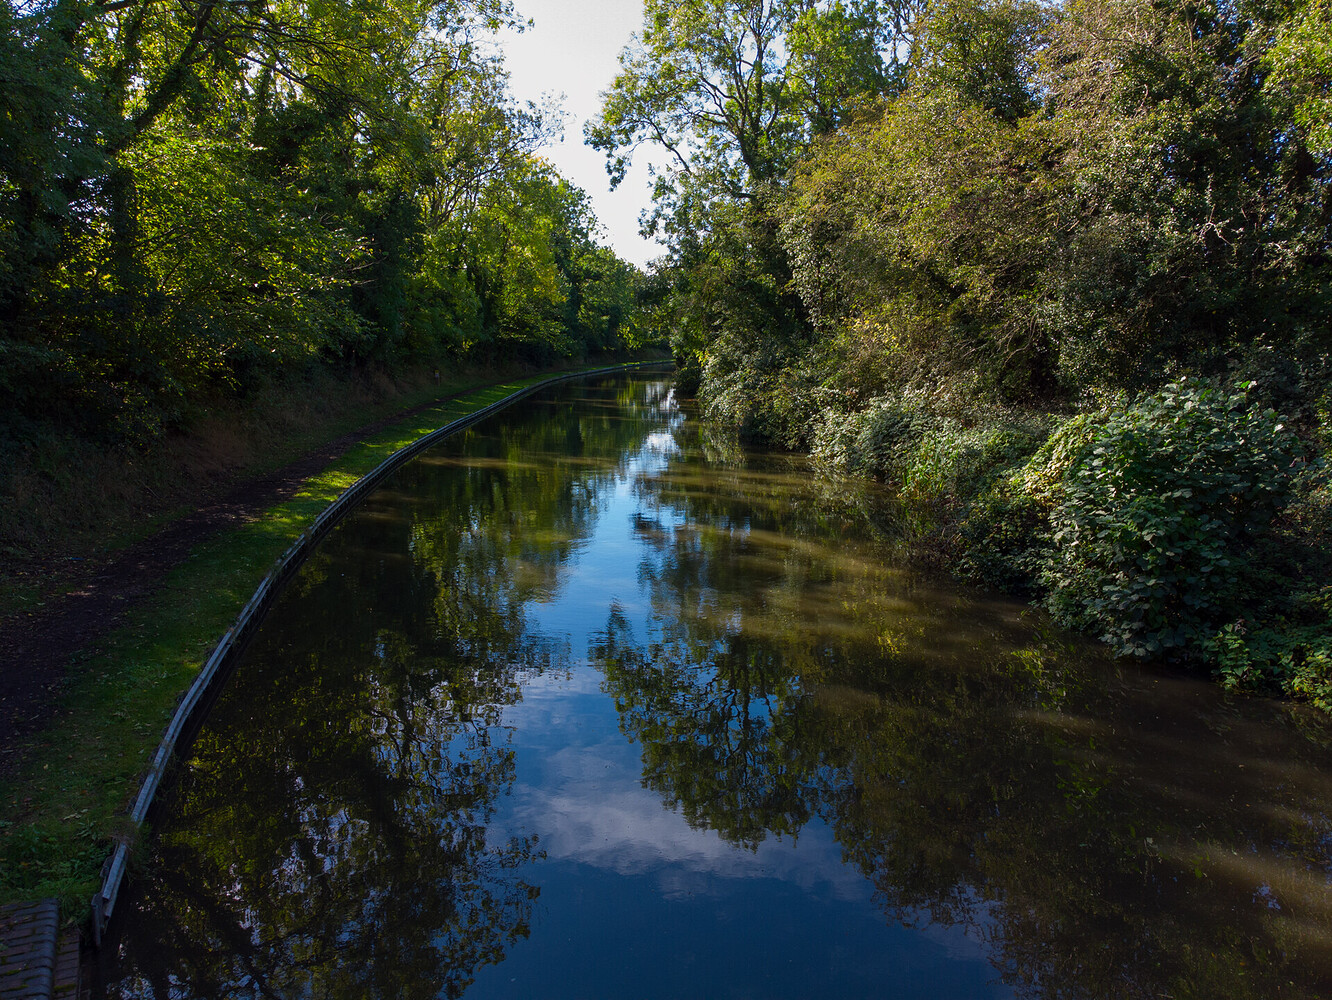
x=590 y=703
x=1111 y=832
x=329 y=834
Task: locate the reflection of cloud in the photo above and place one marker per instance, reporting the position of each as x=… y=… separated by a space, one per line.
x=661 y=441
x=626 y=829
x=579 y=790
x=578 y=680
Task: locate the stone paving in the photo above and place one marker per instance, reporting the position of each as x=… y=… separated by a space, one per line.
x=67 y=985
x=37 y=961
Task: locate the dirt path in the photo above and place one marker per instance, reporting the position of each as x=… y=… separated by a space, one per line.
x=92 y=599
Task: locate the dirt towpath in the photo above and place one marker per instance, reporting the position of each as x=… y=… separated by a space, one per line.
x=92 y=598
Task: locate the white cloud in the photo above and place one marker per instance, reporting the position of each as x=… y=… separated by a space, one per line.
x=573 y=50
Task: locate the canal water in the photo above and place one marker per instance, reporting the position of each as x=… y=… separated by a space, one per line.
x=589 y=702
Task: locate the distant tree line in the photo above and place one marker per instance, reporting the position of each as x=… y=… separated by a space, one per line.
x=1056 y=272
x=197 y=196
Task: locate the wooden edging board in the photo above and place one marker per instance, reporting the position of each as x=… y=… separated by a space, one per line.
x=113 y=871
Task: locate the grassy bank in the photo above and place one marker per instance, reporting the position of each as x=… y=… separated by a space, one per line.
x=65 y=499
x=61 y=814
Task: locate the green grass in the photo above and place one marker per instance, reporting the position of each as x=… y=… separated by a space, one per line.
x=64 y=812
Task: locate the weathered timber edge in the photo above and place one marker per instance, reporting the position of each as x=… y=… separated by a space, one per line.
x=113 y=871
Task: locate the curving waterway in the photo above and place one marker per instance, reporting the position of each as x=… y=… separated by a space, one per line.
x=587 y=702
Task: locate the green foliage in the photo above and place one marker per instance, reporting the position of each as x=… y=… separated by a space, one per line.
x=985 y=51
x=949 y=478
x=1005 y=540
x=920 y=237
x=730 y=306
x=1060 y=204
x=733 y=91
x=194 y=200
x=1154 y=523
x=732 y=94
x=1056 y=208
x=39 y=860
x=960 y=461
x=1278 y=656
x=900 y=440
x=875 y=441
x=1190 y=522
x=1286 y=642
x=1300 y=62
x=1200 y=211
x=759 y=393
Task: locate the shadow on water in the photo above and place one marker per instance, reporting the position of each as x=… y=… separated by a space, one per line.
x=588 y=702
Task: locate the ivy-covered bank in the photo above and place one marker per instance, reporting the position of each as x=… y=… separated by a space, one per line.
x=1194 y=522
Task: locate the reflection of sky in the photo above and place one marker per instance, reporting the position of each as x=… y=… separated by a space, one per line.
x=604 y=570
x=634 y=902
x=601 y=817
x=579 y=784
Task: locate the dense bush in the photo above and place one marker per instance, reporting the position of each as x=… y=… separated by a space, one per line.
x=1154 y=521
x=1004 y=540
x=940 y=467
x=1192 y=522
x=960 y=461
x=1288 y=642
x=874 y=441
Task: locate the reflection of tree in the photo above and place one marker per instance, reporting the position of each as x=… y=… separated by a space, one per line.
x=734 y=488
x=328 y=836
x=1088 y=866
x=710 y=722
x=973 y=778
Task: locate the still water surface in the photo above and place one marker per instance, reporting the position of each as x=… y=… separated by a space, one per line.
x=588 y=703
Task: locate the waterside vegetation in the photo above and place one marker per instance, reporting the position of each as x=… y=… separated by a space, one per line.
x=230 y=233
x=1057 y=272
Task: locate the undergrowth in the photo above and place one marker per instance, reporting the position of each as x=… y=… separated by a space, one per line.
x=66 y=495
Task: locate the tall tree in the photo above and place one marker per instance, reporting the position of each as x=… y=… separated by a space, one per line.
x=732 y=91
x=1203 y=241
x=196 y=195
x=1301 y=65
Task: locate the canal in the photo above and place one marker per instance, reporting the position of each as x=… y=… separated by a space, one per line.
x=587 y=701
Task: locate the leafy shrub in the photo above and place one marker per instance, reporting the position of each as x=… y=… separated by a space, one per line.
x=1004 y=540
x=1042 y=477
x=939 y=466
x=1156 y=511
x=960 y=462
x=1296 y=659
x=875 y=441
x=766 y=397
x=1288 y=643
